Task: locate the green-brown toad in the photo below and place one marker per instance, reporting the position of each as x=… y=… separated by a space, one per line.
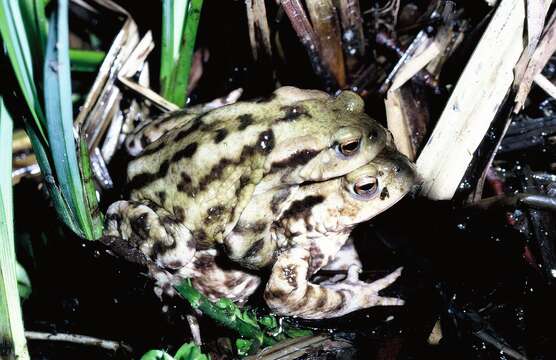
x=198 y=172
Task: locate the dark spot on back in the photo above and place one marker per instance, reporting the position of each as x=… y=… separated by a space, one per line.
x=247 y=152
x=185 y=183
x=196 y=124
x=244 y=121
x=144 y=179
x=293 y=113
x=179 y=213
x=185 y=153
x=162 y=196
x=265 y=143
x=220 y=135
x=214 y=174
x=384 y=193
x=302 y=208
x=243 y=181
x=298 y=158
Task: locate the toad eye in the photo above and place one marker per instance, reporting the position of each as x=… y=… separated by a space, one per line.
x=366 y=187
x=349 y=147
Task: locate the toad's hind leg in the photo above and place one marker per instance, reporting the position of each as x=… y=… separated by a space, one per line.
x=288 y=291
x=153 y=230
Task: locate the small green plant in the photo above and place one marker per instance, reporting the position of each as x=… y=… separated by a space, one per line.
x=255 y=332
x=188 y=351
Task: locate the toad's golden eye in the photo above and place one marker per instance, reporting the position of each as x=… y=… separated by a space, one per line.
x=349 y=147
x=366 y=187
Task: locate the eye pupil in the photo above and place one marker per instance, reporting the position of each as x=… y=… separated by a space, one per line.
x=366 y=187
x=349 y=147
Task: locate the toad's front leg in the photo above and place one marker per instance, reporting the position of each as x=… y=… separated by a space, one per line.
x=155 y=232
x=288 y=291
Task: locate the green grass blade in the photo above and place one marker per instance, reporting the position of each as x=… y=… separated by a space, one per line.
x=86 y=60
x=36 y=24
x=61 y=206
x=58 y=105
x=12 y=337
x=167 y=50
x=94 y=213
x=14 y=36
x=180 y=74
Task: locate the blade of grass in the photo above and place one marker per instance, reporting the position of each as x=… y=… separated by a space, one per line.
x=179 y=78
x=16 y=42
x=86 y=60
x=167 y=51
x=173 y=17
x=94 y=213
x=11 y=322
x=36 y=25
x=61 y=206
x=58 y=105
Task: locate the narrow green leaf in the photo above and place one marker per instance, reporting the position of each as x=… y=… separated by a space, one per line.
x=58 y=105
x=15 y=40
x=61 y=206
x=94 y=214
x=86 y=60
x=36 y=24
x=12 y=337
x=179 y=78
x=167 y=50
